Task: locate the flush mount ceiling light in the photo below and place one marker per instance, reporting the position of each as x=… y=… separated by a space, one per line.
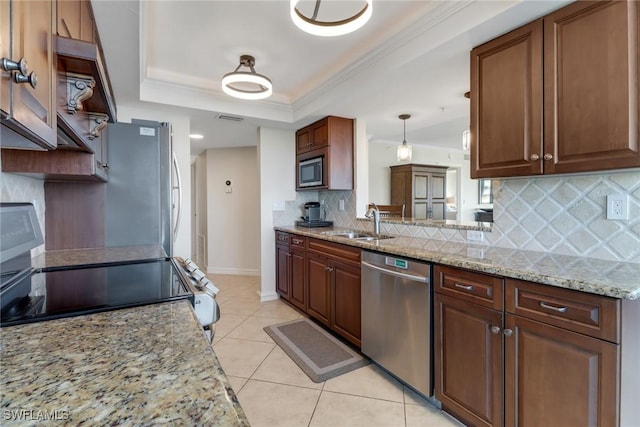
x=196 y=136
x=404 y=149
x=247 y=84
x=330 y=28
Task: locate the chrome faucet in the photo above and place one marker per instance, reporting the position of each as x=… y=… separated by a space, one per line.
x=374 y=212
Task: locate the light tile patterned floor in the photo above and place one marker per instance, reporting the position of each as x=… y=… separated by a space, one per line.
x=274 y=392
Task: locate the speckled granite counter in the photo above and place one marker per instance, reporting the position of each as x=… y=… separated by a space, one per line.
x=444 y=223
x=614 y=279
x=62 y=258
x=142 y=366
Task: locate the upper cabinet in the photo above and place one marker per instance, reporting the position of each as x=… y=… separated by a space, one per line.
x=558 y=95
x=421 y=189
x=332 y=140
x=81 y=101
x=27 y=97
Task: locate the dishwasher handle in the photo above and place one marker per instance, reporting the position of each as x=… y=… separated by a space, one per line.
x=424 y=279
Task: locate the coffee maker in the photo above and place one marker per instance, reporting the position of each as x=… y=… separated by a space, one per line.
x=314 y=216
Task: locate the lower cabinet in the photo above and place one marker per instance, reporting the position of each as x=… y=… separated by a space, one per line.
x=321 y=279
x=548 y=356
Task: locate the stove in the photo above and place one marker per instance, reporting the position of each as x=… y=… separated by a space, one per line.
x=34 y=295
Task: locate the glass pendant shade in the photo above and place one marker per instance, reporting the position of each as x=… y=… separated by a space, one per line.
x=404 y=150
x=466 y=140
x=330 y=28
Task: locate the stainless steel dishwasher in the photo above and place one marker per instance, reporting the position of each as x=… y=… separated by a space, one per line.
x=396 y=317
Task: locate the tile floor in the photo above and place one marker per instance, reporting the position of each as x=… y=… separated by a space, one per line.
x=274 y=392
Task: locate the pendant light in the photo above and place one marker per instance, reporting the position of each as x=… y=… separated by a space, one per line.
x=404 y=149
x=466 y=135
x=247 y=84
x=330 y=28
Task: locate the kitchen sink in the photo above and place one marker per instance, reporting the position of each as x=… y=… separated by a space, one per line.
x=356 y=235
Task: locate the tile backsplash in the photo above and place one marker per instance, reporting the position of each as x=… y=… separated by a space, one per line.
x=565 y=215
x=22 y=189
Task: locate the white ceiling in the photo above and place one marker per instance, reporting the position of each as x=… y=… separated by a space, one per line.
x=411 y=57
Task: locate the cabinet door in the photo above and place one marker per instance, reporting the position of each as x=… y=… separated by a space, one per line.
x=30 y=111
x=75 y=20
x=468 y=361
x=282 y=271
x=298 y=295
x=320 y=134
x=506 y=104
x=318 y=303
x=591 y=87
x=558 y=377
x=345 y=318
x=303 y=140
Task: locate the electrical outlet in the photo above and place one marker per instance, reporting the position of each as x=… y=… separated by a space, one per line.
x=618 y=206
x=476 y=235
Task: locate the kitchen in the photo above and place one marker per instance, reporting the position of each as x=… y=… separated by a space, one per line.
x=279 y=143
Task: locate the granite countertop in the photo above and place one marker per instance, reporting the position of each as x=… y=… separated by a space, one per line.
x=609 y=278
x=141 y=366
x=76 y=257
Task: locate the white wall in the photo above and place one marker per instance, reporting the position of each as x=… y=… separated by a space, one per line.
x=233 y=219
x=381 y=156
x=180 y=126
x=276 y=158
x=200 y=209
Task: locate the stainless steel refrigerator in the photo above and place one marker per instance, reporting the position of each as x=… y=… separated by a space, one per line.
x=143 y=192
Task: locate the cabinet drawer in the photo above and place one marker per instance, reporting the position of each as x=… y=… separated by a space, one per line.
x=478 y=288
x=344 y=252
x=282 y=238
x=594 y=315
x=297 y=242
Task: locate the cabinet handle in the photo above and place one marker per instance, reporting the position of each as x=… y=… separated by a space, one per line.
x=465 y=287
x=20 y=66
x=296 y=241
x=534 y=158
x=548 y=156
x=32 y=79
x=495 y=330
x=552 y=307
x=507 y=332
x=328 y=268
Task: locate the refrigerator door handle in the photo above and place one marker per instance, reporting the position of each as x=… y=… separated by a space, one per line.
x=179 y=188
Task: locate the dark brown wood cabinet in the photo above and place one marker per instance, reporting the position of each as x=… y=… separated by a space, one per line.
x=75 y=20
x=468 y=322
x=506 y=104
x=562 y=356
x=321 y=279
x=298 y=290
x=283 y=265
x=334 y=287
x=28 y=113
x=332 y=139
x=421 y=189
x=515 y=353
x=558 y=95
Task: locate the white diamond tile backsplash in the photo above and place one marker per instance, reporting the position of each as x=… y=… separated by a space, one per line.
x=564 y=215
x=22 y=189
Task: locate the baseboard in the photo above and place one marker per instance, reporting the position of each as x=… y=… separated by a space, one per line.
x=233 y=271
x=267 y=296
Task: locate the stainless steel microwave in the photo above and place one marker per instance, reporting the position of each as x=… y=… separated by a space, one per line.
x=310 y=172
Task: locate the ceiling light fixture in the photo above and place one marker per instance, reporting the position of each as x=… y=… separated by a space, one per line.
x=330 y=28
x=404 y=149
x=247 y=84
x=196 y=136
x=466 y=135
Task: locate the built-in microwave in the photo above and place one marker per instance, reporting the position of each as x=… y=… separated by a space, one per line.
x=310 y=172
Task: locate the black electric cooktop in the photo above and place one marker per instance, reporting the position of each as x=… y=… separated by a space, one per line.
x=55 y=293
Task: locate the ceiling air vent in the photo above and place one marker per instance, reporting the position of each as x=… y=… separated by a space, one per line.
x=232 y=118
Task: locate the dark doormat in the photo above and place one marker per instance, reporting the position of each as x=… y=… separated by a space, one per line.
x=315 y=351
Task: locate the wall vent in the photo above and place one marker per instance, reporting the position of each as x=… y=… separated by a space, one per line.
x=232 y=118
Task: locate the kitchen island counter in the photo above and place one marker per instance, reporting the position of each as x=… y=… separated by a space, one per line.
x=609 y=278
x=140 y=366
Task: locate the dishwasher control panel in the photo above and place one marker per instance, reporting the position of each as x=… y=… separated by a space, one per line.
x=396 y=262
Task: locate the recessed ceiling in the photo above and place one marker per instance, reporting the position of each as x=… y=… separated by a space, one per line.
x=411 y=57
